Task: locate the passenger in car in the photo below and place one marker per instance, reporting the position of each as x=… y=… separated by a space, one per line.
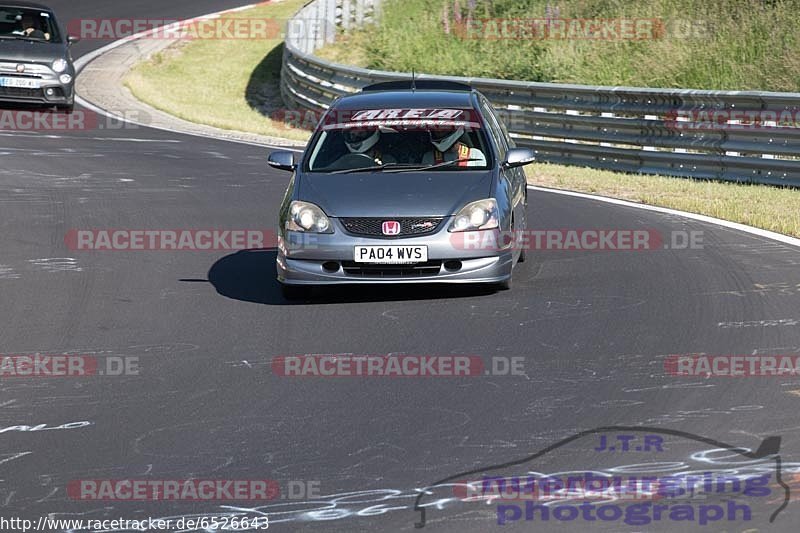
x=451 y=145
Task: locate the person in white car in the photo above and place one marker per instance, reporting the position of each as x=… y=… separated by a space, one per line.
x=448 y=146
x=360 y=141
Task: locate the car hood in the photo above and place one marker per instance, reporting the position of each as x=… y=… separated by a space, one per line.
x=27 y=51
x=436 y=193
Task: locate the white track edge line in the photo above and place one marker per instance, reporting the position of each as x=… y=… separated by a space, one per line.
x=85 y=59
x=786 y=239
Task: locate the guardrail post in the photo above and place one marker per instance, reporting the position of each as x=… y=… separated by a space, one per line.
x=321 y=16
x=347 y=13
x=329 y=24
x=360 y=7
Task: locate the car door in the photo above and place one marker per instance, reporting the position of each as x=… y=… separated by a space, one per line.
x=515 y=177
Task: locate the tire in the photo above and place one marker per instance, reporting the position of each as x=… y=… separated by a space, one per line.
x=295 y=292
x=522 y=252
x=506 y=285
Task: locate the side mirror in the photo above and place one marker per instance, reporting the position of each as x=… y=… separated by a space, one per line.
x=282 y=160
x=72 y=39
x=517 y=157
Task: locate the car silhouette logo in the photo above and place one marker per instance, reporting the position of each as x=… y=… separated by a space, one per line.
x=463 y=485
x=20 y=68
x=390 y=227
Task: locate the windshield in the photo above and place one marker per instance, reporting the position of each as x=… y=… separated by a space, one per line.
x=33 y=24
x=439 y=139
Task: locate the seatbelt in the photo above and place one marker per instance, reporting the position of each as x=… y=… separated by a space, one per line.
x=462 y=150
x=463 y=155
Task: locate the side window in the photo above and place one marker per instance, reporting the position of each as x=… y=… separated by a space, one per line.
x=504 y=129
x=494 y=128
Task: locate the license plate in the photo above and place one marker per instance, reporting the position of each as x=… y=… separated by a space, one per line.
x=393 y=254
x=20 y=82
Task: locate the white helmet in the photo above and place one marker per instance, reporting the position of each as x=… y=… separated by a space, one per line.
x=443 y=140
x=359 y=141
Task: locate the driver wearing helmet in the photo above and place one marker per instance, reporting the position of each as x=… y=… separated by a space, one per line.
x=363 y=141
x=448 y=147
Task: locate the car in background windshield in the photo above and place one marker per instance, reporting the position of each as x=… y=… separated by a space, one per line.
x=24 y=23
x=35 y=60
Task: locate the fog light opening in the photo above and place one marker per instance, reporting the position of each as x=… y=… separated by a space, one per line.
x=49 y=92
x=330 y=266
x=452 y=266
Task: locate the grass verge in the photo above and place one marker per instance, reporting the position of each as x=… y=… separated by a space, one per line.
x=227 y=83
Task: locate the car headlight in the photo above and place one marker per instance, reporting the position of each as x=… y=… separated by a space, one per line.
x=307 y=217
x=60 y=65
x=65 y=79
x=476 y=215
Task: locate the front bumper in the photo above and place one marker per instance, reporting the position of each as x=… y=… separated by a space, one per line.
x=50 y=91
x=327 y=259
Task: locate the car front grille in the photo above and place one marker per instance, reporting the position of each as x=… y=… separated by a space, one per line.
x=20 y=92
x=413 y=270
x=408 y=226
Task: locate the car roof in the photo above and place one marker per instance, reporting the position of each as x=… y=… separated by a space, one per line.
x=25 y=5
x=406 y=99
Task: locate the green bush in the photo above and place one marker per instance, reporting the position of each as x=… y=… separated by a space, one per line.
x=705 y=44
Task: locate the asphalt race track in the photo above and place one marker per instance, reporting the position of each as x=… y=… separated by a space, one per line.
x=594 y=329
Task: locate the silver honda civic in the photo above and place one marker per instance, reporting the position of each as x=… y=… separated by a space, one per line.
x=402 y=184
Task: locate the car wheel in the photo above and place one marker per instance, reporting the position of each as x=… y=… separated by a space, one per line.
x=295 y=292
x=514 y=231
x=522 y=251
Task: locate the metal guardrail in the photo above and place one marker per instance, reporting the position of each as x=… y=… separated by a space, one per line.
x=616 y=128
